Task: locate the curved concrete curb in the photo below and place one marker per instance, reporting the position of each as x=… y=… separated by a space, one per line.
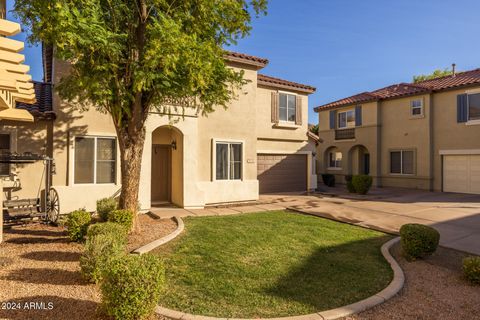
x=154 y=244
x=391 y=290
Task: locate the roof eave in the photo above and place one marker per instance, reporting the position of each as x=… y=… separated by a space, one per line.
x=285 y=87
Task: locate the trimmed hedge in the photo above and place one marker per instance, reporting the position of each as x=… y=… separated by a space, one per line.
x=471 y=269
x=348 y=179
x=131 y=286
x=361 y=183
x=328 y=179
x=123 y=217
x=107 y=227
x=105 y=206
x=418 y=241
x=77 y=224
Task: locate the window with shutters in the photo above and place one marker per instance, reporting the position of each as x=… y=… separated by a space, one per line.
x=402 y=162
x=287 y=107
x=95 y=160
x=4 y=148
x=346 y=119
x=473 y=103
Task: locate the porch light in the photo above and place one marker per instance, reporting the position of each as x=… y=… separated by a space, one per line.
x=174 y=144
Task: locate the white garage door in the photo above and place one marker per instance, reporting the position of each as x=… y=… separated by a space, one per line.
x=461 y=173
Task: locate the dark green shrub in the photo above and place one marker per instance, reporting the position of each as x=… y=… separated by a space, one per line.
x=123 y=217
x=361 y=183
x=418 y=241
x=348 y=179
x=77 y=224
x=328 y=179
x=471 y=269
x=100 y=250
x=105 y=206
x=131 y=286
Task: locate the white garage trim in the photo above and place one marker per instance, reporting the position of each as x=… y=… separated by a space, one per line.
x=459 y=152
x=282 y=152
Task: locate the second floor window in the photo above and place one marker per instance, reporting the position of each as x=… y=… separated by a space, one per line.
x=95 y=160
x=288 y=107
x=474 y=106
x=346 y=119
x=416 y=107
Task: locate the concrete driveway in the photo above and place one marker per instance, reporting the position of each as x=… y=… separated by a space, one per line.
x=455 y=216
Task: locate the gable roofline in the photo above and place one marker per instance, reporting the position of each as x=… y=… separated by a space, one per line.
x=459 y=80
x=243 y=58
x=272 y=82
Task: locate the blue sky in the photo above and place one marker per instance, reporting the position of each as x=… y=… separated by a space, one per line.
x=343 y=47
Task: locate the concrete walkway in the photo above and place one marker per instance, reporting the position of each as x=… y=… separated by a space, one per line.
x=455 y=216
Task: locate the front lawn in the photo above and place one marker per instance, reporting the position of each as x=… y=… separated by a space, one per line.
x=270 y=265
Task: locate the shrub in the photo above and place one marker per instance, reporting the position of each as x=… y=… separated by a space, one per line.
x=418 y=241
x=362 y=183
x=123 y=217
x=100 y=250
x=348 y=179
x=471 y=269
x=131 y=286
x=105 y=206
x=108 y=228
x=77 y=224
x=328 y=179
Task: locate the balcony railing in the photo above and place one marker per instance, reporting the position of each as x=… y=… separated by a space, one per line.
x=345 y=134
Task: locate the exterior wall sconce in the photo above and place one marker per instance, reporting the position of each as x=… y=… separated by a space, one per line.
x=174 y=144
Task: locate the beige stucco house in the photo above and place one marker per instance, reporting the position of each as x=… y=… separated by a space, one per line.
x=258 y=145
x=424 y=135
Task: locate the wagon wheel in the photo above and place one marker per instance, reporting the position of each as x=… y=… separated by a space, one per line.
x=53 y=205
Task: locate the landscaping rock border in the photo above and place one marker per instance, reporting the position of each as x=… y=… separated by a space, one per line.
x=389 y=292
x=154 y=244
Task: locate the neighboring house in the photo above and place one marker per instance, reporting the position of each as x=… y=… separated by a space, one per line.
x=258 y=145
x=423 y=136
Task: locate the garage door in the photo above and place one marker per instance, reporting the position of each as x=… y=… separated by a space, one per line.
x=282 y=172
x=461 y=173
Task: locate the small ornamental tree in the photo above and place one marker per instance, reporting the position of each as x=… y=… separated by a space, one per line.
x=129 y=57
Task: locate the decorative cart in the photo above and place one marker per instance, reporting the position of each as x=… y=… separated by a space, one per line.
x=45 y=206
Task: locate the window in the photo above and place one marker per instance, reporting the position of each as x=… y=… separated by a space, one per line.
x=416 y=107
x=4 y=148
x=474 y=106
x=228 y=161
x=402 y=162
x=346 y=119
x=288 y=107
x=95 y=160
x=335 y=159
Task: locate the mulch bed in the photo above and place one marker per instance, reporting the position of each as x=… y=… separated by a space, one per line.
x=40 y=273
x=434 y=289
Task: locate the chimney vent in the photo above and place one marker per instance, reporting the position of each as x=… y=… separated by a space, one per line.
x=454 y=73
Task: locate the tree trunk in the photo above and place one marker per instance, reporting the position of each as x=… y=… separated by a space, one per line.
x=131 y=149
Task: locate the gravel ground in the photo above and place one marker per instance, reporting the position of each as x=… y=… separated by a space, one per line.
x=152 y=228
x=39 y=265
x=434 y=289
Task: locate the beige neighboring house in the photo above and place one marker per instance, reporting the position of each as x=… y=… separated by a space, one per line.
x=258 y=145
x=422 y=136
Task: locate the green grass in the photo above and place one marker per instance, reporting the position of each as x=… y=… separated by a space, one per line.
x=270 y=265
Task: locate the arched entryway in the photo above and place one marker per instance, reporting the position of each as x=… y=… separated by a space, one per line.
x=167 y=166
x=359 y=160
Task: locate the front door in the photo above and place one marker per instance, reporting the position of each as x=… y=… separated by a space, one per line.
x=161 y=173
x=366 y=163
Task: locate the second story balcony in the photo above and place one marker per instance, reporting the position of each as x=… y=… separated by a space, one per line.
x=345 y=134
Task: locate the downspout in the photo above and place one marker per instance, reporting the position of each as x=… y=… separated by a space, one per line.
x=431 y=140
x=379 y=145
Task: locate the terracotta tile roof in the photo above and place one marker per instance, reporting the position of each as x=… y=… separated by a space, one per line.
x=460 y=79
x=284 y=84
x=42 y=108
x=245 y=58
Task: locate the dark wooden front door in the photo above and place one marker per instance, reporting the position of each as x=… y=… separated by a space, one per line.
x=161 y=173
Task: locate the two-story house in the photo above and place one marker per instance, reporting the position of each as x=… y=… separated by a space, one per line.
x=258 y=145
x=423 y=135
